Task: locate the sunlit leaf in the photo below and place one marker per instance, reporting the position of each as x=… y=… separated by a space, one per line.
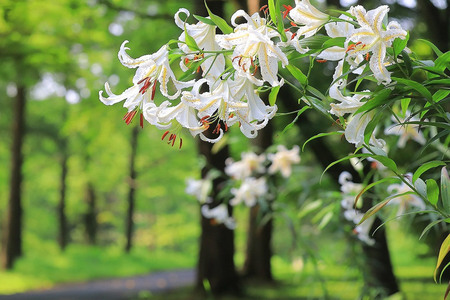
x=373 y=210
x=432 y=46
x=421 y=187
x=425 y=167
x=369 y=186
x=190 y=41
x=445 y=248
x=205 y=20
x=298 y=74
x=432 y=191
x=399 y=44
x=289 y=126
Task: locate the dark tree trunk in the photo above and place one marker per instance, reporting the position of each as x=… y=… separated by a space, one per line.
x=90 y=220
x=12 y=239
x=63 y=234
x=378 y=261
x=438 y=22
x=131 y=193
x=259 y=240
x=216 y=257
x=216 y=253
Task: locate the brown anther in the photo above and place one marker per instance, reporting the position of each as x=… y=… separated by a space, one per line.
x=141 y=120
x=181 y=143
x=164 y=135
x=186 y=60
x=350 y=47
x=217 y=129
x=226 y=126
x=153 y=91
x=254 y=71
x=174 y=138
x=293 y=36
x=367 y=56
x=198 y=69
x=263 y=7
x=320 y=61
x=129 y=117
x=293 y=24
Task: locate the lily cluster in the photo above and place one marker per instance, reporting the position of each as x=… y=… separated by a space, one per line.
x=249 y=181
x=235 y=66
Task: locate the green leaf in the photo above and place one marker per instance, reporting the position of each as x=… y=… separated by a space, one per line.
x=317 y=104
x=445 y=248
x=205 y=20
x=407 y=62
x=445 y=189
x=429 y=226
x=373 y=210
x=421 y=187
x=365 y=189
x=432 y=46
x=405 y=104
x=378 y=100
x=298 y=74
x=319 y=136
x=425 y=167
x=308 y=208
x=339 y=41
x=273 y=95
x=277 y=19
x=221 y=23
x=432 y=191
x=190 y=41
x=399 y=44
x=288 y=126
x=415 y=86
x=440 y=94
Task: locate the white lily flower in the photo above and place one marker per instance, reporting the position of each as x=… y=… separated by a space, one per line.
x=205 y=37
x=199 y=189
x=283 y=160
x=219 y=215
x=372 y=37
x=335 y=30
x=406 y=131
x=407 y=201
x=249 y=164
x=249 y=191
x=354 y=131
x=305 y=14
x=349 y=191
x=347 y=104
x=254 y=50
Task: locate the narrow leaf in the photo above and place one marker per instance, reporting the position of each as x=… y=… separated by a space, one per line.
x=365 y=189
x=190 y=41
x=445 y=248
x=415 y=86
x=221 y=23
x=205 y=20
x=421 y=187
x=298 y=74
x=429 y=226
x=432 y=46
x=296 y=118
x=377 y=101
x=445 y=189
x=319 y=136
x=399 y=45
x=425 y=167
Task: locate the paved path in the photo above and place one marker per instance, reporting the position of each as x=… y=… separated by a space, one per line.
x=112 y=289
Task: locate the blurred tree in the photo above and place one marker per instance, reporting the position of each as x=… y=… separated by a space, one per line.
x=12 y=240
x=63 y=233
x=129 y=223
x=90 y=216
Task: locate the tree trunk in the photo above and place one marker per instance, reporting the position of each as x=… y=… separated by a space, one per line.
x=216 y=257
x=259 y=240
x=12 y=239
x=63 y=235
x=131 y=193
x=90 y=220
x=438 y=23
